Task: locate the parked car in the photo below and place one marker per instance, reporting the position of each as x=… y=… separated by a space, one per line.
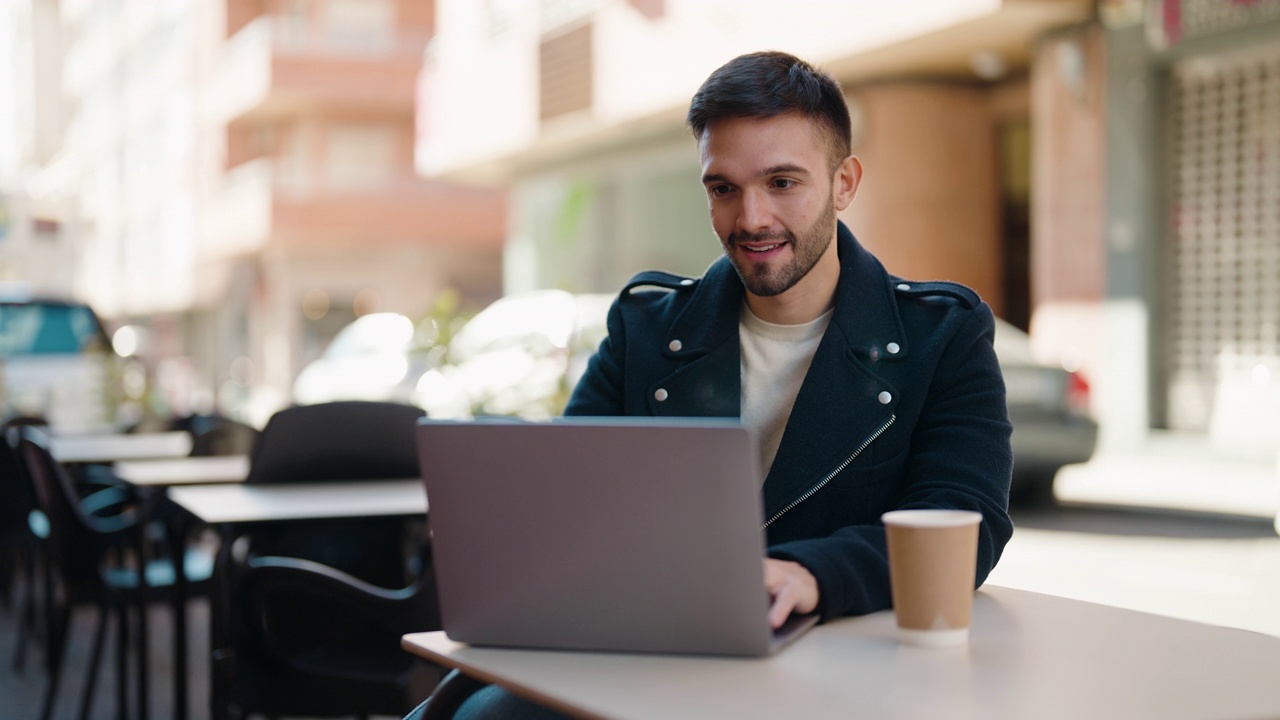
x=520 y=356
x=56 y=362
x=1049 y=409
x=523 y=355
x=376 y=357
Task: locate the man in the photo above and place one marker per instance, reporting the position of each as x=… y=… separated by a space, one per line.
x=865 y=393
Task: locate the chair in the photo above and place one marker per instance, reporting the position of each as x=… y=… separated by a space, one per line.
x=317 y=443
x=338 y=441
x=447 y=697
x=311 y=640
x=216 y=434
x=23 y=530
x=88 y=554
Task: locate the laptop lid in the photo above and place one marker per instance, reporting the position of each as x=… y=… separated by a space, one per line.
x=623 y=534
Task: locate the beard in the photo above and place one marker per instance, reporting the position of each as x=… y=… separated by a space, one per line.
x=806 y=249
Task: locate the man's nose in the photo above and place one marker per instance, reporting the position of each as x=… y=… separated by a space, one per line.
x=756 y=213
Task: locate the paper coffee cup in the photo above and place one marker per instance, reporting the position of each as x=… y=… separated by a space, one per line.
x=933 y=556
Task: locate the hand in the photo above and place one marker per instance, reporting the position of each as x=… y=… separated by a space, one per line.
x=792 y=587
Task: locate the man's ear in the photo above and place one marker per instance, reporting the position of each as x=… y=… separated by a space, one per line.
x=845 y=182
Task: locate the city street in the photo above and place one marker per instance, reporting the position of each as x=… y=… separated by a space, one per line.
x=1214 y=569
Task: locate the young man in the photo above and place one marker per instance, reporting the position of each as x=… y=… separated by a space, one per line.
x=866 y=393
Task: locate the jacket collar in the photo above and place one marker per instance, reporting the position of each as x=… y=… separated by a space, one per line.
x=866 y=308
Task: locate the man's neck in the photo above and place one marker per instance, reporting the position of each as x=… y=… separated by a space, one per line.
x=807 y=299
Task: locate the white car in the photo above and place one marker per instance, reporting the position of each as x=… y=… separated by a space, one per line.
x=57 y=363
x=376 y=358
x=520 y=356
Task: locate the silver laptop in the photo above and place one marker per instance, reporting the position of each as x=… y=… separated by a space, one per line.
x=617 y=534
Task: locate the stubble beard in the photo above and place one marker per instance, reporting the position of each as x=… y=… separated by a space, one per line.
x=806 y=250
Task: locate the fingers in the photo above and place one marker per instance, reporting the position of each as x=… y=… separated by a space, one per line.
x=792 y=587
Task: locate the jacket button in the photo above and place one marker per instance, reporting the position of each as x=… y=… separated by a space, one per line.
x=885 y=398
x=660 y=394
x=903 y=286
x=686 y=282
x=675 y=345
x=892 y=348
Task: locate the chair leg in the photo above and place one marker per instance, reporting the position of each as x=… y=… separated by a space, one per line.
x=26 y=616
x=95 y=659
x=122 y=661
x=50 y=620
x=57 y=646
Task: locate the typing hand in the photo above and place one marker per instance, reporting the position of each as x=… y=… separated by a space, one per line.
x=792 y=588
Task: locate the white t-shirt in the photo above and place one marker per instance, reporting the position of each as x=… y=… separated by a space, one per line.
x=775 y=359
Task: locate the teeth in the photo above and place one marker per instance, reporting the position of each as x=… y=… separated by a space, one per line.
x=763 y=249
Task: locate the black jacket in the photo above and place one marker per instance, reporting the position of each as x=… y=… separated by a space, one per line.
x=902 y=407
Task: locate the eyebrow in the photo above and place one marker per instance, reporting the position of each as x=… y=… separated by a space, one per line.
x=775 y=170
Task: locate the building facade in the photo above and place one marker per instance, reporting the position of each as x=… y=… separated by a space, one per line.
x=238 y=179
x=1103 y=173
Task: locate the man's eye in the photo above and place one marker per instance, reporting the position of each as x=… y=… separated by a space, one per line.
x=719 y=190
x=783 y=183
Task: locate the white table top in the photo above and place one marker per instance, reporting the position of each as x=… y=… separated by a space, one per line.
x=240 y=503
x=184 y=471
x=1030 y=656
x=121 y=446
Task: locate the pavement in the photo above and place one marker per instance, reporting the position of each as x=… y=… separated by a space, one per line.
x=1177 y=472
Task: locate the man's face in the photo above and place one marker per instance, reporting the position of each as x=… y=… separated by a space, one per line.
x=770 y=189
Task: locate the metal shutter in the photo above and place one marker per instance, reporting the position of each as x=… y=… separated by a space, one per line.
x=1222 y=338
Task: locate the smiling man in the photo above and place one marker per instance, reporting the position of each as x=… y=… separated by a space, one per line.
x=864 y=392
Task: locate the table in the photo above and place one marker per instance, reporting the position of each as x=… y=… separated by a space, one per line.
x=1030 y=655
x=184 y=471
x=231 y=506
x=121 y=446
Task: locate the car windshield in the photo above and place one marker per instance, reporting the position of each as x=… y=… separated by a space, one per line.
x=47 y=329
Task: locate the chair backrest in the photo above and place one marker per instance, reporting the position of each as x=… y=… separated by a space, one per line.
x=17 y=499
x=216 y=434
x=76 y=543
x=346 y=440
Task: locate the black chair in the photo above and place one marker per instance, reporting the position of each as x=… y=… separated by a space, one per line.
x=213 y=434
x=23 y=530
x=350 y=440
x=338 y=441
x=313 y=641
x=89 y=556
x=447 y=697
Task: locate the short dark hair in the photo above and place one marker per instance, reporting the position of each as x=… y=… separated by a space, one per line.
x=766 y=84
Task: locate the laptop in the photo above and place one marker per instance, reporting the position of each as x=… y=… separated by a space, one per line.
x=612 y=534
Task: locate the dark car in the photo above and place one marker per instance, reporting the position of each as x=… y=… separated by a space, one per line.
x=1049 y=409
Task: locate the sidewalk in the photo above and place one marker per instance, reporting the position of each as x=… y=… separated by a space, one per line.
x=1174 y=471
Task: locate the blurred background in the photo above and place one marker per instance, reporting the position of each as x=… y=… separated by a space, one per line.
x=270 y=202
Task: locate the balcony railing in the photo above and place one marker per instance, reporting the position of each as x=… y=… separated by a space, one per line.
x=263 y=201
x=278 y=56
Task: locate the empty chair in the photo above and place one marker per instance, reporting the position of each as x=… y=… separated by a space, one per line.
x=22 y=532
x=88 y=556
x=348 y=440
x=309 y=640
x=213 y=434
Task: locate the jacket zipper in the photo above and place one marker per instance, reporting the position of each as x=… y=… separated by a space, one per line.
x=821 y=483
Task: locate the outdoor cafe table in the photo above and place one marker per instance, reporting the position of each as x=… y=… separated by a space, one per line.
x=201 y=470
x=119 y=446
x=231 y=506
x=1029 y=656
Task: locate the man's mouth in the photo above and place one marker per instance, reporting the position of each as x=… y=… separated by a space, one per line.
x=761 y=248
